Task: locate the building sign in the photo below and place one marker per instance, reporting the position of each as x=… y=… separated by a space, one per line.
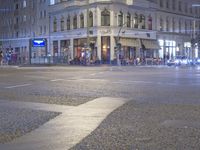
x=38 y=43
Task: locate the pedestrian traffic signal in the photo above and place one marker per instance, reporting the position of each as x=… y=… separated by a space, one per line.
x=119 y=46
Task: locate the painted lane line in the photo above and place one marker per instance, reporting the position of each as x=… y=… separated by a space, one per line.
x=69 y=128
x=101 y=72
x=93 y=74
x=39 y=77
x=54 y=80
x=143 y=82
x=16 y=86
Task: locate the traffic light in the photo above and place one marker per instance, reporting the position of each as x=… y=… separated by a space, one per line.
x=119 y=45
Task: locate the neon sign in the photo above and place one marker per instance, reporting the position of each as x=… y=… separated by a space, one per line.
x=38 y=42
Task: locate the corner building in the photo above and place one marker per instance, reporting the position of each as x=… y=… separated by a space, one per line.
x=109 y=22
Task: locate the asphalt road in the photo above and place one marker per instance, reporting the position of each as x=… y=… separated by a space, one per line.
x=163 y=111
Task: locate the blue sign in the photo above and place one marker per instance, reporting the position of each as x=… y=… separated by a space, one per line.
x=38 y=42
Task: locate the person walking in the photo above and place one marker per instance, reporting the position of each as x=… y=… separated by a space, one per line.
x=1 y=58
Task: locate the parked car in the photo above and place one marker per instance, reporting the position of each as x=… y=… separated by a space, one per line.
x=180 y=60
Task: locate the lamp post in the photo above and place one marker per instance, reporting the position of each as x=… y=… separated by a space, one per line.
x=118 y=46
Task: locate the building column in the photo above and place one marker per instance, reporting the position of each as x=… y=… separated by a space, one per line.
x=59 y=48
x=111 y=18
x=71 y=48
x=112 y=48
x=98 y=47
x=98 y=17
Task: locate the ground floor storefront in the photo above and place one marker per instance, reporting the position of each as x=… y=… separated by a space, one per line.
x=100 y=49
x=104 y=50
x=173 y=46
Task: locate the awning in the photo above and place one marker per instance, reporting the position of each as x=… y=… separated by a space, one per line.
x=150 y=44
x=132 y=42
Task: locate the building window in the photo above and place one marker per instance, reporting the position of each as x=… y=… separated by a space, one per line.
x=142 y=21
x=40 y=29
x=196 y=10
x=128 y=20
x=41 y=14
x=16 y=6
x=52 y=2
x=161 y=24
x=167 y=24
x=161 y=3
x=150 y=22
x=180 y=6
x=45 y=13
x=186 y=7
x=173 y=25
x=135 y=21
x=68 y=23
x=105 y=18
x=17 y=34
x=75 y=22
x=81 y=21
x=174 y=4
x=24 y=18
x=55 y=25
x=62 y=24
x=120 y=19
x=167 y=3
x=185 y=27
x=191 y=10
x=90 y=22
x=45 y=29
x=179 y=26
x=24 y=3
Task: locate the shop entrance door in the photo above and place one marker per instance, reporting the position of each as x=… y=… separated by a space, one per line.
x=105 y=50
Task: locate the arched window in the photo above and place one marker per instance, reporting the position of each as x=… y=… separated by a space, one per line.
x=90 y=21
x=135 y=21
x=62 y=24
x=75 y=22
x=142 y=21
x=81 y=21
x=105 y=18
x=128 y=20
x=55 y=25
x=150 y=22
x=120 y=19
x=68 y=23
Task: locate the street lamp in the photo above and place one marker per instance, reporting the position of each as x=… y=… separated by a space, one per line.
x=118 y=46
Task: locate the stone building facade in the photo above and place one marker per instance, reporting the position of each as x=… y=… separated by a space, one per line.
x=100 y=28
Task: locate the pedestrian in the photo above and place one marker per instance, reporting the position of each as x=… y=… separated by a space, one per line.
x=1 y=58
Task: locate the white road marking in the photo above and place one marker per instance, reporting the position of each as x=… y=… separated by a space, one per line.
x=54 y=80
x=40 y=77
x=93 y=74
x=143 y=82
x=16 y=86
x=69 y=128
